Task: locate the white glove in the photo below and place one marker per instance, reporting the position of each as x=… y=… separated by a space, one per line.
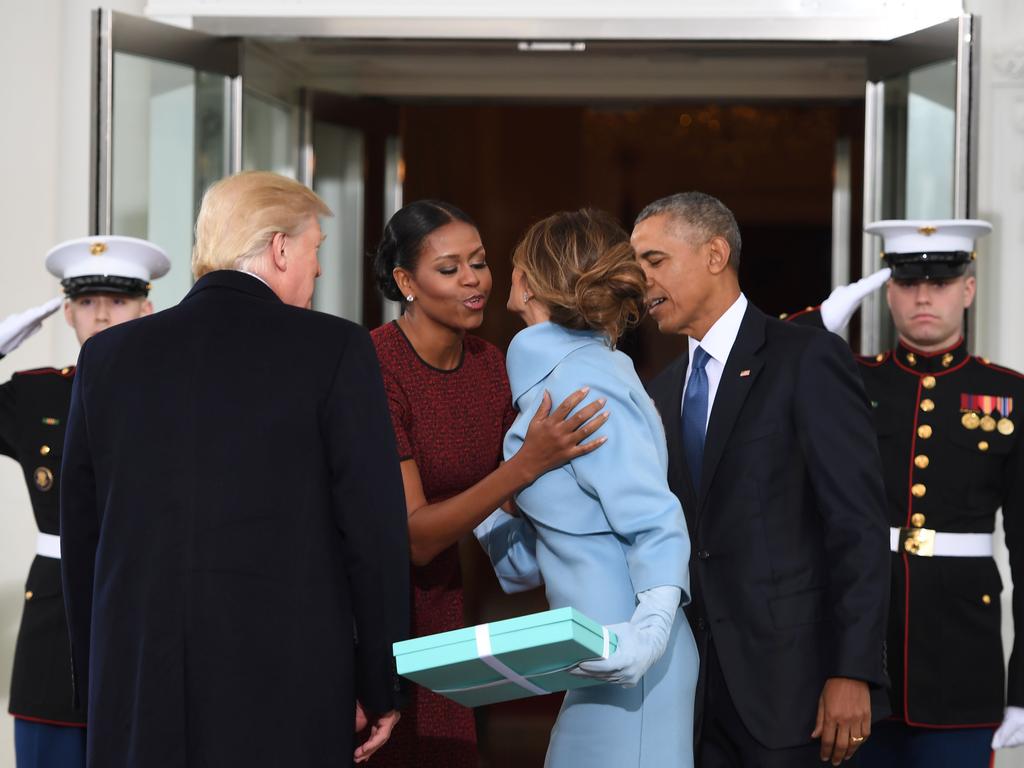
x=1011 y=732
x=839 y=307
x=641 y=641
x=16 y=328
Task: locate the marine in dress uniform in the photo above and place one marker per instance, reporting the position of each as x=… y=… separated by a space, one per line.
x=949 y=433
x=49 y=729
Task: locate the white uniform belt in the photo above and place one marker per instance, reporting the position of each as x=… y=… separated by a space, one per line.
x=48 y=545
x=925 y=542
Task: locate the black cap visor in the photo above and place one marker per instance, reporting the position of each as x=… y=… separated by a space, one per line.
x=913 y=267
x=89 y=284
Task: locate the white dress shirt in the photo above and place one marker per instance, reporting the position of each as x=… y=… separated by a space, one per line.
x=717 y=342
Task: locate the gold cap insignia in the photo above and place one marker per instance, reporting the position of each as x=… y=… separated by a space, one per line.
x=97 y=249
x=927 y=230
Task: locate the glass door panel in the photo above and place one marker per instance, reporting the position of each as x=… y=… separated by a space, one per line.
x=338 y=179
x=919 y=149
x=164 y=133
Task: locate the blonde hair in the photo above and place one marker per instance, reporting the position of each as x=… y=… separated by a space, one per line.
x=581 y=266
x=241 y=214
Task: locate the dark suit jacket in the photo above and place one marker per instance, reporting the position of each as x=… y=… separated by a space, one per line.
x=790 y=542
x=234 y=534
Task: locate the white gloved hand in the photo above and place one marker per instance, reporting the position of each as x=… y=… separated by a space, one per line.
x=16 y=328
x=641 y=641
x=1011 y=732
x=839 y=307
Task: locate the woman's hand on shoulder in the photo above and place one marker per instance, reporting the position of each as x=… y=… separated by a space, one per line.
x=557 y=437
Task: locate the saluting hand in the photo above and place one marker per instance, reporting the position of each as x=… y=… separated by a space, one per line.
x=844 y=718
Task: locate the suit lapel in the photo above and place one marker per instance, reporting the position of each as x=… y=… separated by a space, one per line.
x=741 y=370
x=669 y=402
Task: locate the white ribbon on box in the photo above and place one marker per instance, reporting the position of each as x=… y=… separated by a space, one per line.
x=509 y=675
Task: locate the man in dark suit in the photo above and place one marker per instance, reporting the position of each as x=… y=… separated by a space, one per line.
x=233 y=528
x=772 y=453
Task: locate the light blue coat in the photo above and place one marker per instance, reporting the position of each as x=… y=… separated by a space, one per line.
x=596 y=532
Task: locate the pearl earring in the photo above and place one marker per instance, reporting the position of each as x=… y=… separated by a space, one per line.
x=410 y=298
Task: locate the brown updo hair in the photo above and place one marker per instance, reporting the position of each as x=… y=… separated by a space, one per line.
x=581 y=266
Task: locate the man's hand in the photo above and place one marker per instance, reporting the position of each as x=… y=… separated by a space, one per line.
x=554 y=437
x=380 y=732
x=16 y=328
x=361 y=720
x=839 y=307
x=1011 y=732
x=844 y=718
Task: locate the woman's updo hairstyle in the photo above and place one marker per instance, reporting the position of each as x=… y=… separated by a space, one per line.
x=403 y=238
x=580 y=265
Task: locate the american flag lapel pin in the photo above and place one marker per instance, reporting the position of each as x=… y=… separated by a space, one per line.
x=744 y=373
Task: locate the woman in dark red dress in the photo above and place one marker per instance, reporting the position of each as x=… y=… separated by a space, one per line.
x=451 y=404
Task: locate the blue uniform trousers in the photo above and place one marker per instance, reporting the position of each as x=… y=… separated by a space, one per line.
x=897 y=745
x=40 y=745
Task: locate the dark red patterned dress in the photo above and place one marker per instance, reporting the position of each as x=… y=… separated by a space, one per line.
x=451 y=423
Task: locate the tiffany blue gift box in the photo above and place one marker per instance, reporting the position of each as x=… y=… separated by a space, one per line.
x=511 y=659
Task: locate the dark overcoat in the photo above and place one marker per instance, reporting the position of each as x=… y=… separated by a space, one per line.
x=235 y=546
x=788 y=533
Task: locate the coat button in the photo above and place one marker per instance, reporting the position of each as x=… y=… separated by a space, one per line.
x=927 y=405
x=983 y=445
x=703 y=555
x=986 y=599
x=44 y=450
x=924 y=431
x=917 y=520
x=28 y=595
x=918 y=490
x=921 y=461
x=928 y=382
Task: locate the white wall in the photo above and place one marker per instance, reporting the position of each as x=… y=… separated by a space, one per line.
x=44 y=139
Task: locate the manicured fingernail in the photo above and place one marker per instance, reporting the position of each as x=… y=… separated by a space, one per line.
x=584 y=390
x=603 y=400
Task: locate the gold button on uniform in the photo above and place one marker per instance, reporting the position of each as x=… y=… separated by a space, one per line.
x=911 y=358
x=64 y=371
x=983 y=445
x=947 y=360
x=986 y=599
x=917 y=520
x=924 y=431
x=927 y=405
x=28 y=595
x=918 y=490
x=879 y=357
x=928 y=382
x=44 y=450
x=921 y=461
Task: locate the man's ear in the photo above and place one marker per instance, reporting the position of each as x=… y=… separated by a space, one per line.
x=970 y=289
x=67 y=314
x=717 y=254
x=145 y=308
x=277 y=254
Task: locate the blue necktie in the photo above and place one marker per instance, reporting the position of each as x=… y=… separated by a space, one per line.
x=695 y=415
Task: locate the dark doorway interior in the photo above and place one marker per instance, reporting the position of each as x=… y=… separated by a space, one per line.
x=772 y=164
x=510 y=165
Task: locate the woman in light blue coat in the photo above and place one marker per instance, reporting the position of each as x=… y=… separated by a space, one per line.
x=604 y=533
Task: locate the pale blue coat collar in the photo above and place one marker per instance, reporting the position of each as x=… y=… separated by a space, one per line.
x=537 y=349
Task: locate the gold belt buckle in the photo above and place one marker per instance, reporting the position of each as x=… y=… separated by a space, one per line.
x=917 y=541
